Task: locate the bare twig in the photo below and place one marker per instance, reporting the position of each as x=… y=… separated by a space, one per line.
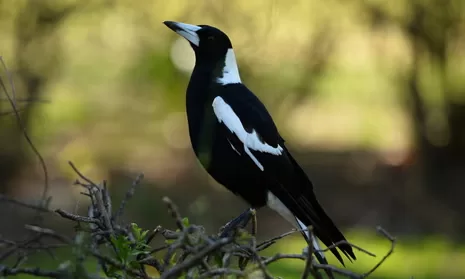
x=221 y=271
x=308 y=262
x=29 y=100
x=117 y=264
x=178 y=269
x=4 y=113
x=391 y=250
x=345 y=242
x=77 y=218
x=129 y=195
x=48 y=232
x=35 y=271
x=106 y=216
x=24 y=204
x=267 y=243
x=12 y=101
x=81 y=175
x=173 y=210
x=340 y=271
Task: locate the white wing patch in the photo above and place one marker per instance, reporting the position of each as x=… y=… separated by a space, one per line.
x=230 y=70
x=251 y=141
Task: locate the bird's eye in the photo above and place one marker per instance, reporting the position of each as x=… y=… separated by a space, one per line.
x=211 y=38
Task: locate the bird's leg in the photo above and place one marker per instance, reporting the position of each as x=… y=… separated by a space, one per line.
x=239 y=222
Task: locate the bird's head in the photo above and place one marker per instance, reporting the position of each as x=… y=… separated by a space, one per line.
x=208 y=41
x=211 y=46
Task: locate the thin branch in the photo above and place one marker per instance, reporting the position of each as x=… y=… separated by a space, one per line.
x=49 y=232
x=116 y=264
x=391 y=250
x=77 y=218
x=81 y=175
x=308 y=262
x=345 y=242
x=267 y=243
x=222 y=271
x=35 y=271
x=12 y=101
x=24 y=204
x=29 y=100
x=106 y=216
x=344 y=272
x=280 y=256
x=173 y=210
x=129 y=195
x=178 y=269
x=5 y=113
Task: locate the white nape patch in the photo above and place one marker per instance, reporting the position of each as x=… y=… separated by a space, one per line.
x=189 y=32
x=277 y=205
x=251 y=141
x=230 y=70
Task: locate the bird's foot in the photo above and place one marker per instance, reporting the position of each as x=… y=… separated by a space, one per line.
x=239 y=222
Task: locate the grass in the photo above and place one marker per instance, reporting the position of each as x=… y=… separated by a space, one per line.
x=430 y=257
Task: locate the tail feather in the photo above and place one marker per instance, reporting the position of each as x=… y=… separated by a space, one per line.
x=310 y=212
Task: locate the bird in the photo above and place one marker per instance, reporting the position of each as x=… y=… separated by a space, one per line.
x=237 y=142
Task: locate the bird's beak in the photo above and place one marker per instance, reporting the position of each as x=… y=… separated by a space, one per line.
x=188 y=31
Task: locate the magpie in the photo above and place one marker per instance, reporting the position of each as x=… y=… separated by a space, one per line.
x=236 y=140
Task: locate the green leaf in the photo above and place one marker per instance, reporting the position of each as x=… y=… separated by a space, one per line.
x=136 y=230
x=112 y=271
x=137 y=253
x=170 y=241
x=218 y=259
x=173 y=259
x=123 y=248
x=185 y=221
x=144 y=234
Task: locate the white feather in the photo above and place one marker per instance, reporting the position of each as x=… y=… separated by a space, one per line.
x=251 y=141
x=230 y=70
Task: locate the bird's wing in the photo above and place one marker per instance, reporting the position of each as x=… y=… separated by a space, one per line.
x=253 y=131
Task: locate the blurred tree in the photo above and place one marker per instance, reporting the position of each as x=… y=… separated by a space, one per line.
x=434 y=30
x=36 y=60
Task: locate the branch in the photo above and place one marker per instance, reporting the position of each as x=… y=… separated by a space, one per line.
x=48 y=232
x=178 y=269
x=12 y=101
x=123 y=251
x=35 y=271
x=389 y=253
x=81 y=175
x=222 y=271
x=345 y=242
x=129 y=195
x=4 y=198
x=77 y=218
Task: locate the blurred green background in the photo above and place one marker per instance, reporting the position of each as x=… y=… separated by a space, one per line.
x=369 y=94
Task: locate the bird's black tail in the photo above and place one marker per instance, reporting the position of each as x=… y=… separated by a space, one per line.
x=310 y=213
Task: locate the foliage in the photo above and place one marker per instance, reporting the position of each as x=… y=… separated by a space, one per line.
x=125 y=250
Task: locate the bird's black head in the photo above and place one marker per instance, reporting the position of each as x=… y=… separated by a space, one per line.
x=213 y=51
x=209 y=43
